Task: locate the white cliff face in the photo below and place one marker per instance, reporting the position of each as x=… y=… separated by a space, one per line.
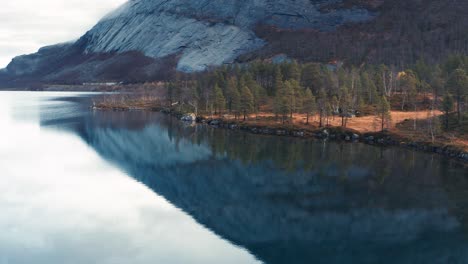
x=206 y=32
x=155 y=35
x=199 y=43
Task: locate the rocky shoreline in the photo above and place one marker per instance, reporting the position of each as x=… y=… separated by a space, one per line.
x=339 y=134
x=343 y=135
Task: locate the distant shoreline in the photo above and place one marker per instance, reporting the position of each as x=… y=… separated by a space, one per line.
x=64 y=88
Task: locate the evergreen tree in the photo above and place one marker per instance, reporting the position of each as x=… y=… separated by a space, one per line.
x=236 y=102
x=369 y=88
x=231 y=93
x=323 y=106
x=312 y=77
x=277 y=105
x=447 y=107
x=437 y=83
x=282 y=101
x=409 y=83
x=192 y=98
x=259 y=93
x=345 y=102
x=299 y=97
x=310 y=105
x=338 y=91
x=219 y=100
x=423 y=71
x=295 y=71
x=246 y=102
x=455 y=62
x=457 y=84
x=383 y=111
x=342 y=76
x=291 y=91
x=278 y=84
x=261 y=98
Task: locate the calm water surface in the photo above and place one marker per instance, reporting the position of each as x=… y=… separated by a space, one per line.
x=78 y=186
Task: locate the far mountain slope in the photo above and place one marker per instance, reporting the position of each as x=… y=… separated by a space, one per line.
x=147 y=39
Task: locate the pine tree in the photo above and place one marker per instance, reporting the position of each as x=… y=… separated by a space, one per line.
x=259 y=93
x=219 y=100
x=299 y=97
x=342 y=76
x=246 y=102
x=295 y=71
x=323 y=105
x=312 y=77
x=192 y=97
x=278 y=83
x=235 y=102
x=291 y=90
x=260 y=98
x=409 y=83
x=309 y=104
x=437 y=83
x=344 y=105
x=282 y=101
x=369 y=87
x=457 y=84
x=447 y=107
x=383 y=111
x=231 y=92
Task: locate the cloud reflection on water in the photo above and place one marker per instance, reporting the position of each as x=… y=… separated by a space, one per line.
x=61 y=203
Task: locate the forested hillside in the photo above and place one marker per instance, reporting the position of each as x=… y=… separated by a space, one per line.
x=328 y=91
x=404 y=32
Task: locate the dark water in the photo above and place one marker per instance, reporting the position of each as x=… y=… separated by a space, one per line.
x=78 y=186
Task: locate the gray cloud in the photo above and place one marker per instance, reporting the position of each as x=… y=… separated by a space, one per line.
x=27 y=25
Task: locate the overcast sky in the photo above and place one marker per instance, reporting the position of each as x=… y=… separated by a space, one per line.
x=27 y=25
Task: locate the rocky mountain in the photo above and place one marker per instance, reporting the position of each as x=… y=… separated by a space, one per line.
x=147 y=39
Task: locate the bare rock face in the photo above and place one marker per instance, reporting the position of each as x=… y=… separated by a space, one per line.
x=28 y=64
x=146 y=40
x=142 y=36
x=207 y=32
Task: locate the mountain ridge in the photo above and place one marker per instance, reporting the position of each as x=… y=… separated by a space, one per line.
x=146 y=40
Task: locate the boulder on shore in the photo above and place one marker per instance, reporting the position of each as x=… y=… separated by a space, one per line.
x=355 y=137
x=214 y=122
x=189 y=117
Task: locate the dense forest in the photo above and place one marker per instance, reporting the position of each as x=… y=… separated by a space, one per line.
x=325 y=90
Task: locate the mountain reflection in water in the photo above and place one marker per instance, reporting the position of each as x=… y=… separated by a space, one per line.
x=291 y=200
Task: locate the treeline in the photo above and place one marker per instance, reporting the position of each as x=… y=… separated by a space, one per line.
x=325 y=90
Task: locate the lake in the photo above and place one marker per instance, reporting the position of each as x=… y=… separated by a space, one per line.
x=79 y=186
